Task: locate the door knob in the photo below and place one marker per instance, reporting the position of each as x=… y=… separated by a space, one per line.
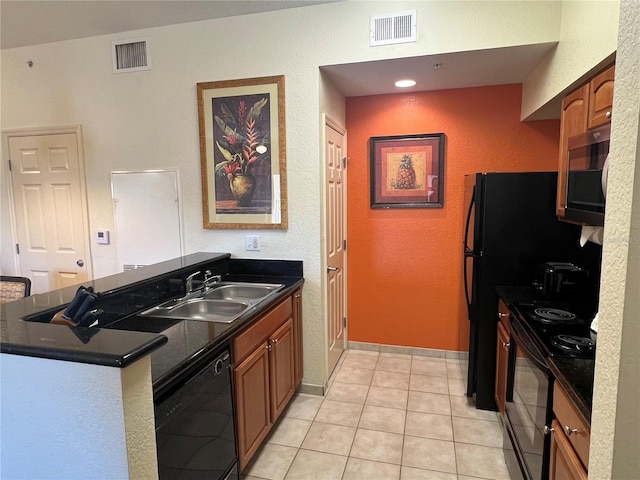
x=332 y=269
x=80 y=263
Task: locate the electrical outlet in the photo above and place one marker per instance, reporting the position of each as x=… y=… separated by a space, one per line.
x=252 y=242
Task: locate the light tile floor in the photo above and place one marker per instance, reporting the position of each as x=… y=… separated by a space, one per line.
x=386 y=416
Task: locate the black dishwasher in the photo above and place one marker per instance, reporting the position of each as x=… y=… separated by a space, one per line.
x=195 y=429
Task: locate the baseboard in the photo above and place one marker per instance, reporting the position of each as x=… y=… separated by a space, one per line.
x=425 y=352
x=312 y=389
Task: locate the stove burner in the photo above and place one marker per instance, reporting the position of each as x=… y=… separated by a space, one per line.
x=573 y=344
x=553 y=315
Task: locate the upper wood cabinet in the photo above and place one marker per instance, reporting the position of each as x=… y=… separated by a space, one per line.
x=601 y=98
x=586 y=107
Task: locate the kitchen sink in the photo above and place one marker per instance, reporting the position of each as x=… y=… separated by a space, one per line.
x=221 y=302
x=241 y=292
x=211 y=310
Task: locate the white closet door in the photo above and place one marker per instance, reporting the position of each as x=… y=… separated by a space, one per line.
x=147 y=217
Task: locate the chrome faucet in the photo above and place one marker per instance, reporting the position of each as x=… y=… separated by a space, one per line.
x=209 y=279
x=189 y=282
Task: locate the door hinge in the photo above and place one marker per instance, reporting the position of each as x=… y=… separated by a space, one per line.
x=344 y=322
x=344 y=244
x=18 y=248
x=10 y=167
x=344 y=162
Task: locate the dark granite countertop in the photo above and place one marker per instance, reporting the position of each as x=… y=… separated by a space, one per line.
x=121 y=336
x=575 y=376
x=189 y=340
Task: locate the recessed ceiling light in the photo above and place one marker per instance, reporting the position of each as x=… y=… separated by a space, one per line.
x=405 y=83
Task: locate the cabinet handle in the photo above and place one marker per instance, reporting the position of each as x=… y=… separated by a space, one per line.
x=268 y=347
x=608 y=114
x=568 y=430
x=275 y=340
x=297 y=295
x=506 y=344
x=548 y=430
x=502 y=315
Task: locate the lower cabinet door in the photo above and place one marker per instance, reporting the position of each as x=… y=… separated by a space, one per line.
x=565 y=464
x=251 y=380
x=281 y=371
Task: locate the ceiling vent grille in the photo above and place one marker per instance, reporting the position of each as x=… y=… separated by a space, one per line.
x=130 y=56
x=128 y=266
x=393 y=28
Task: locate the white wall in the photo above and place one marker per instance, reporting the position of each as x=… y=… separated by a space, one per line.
x=615 y=434
x=588 y=38
x=149 y=119
x=69 y=420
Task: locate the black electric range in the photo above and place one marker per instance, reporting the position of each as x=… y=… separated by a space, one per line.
x=559 y=330
x=541 y=328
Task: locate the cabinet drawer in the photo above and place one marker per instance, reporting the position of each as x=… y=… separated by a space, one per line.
x=578 y=432
x=248 y=340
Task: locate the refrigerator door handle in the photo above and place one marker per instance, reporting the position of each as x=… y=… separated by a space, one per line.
x=467 y=250
x=468 y=253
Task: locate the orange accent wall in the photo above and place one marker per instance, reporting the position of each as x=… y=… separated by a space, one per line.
x=405 y=265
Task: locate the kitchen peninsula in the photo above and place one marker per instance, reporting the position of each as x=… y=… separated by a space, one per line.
x=78 y=402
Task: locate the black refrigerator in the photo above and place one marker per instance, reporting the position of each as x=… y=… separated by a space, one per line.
x=511 y=228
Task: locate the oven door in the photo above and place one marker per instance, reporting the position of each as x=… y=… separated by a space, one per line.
x=528 y=405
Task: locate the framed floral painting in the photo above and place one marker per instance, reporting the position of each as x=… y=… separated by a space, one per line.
x=242 y=153
x=407 y=171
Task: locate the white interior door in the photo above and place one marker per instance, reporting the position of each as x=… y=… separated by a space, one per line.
x=335 y=242
x=50 y=210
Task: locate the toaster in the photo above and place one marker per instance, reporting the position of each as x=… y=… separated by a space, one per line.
x=559 y=278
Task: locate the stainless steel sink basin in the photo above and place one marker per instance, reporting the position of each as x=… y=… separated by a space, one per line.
x=241 y=292
x=210 y=310
x=222 y=302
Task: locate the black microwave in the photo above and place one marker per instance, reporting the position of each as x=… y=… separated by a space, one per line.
x=585 y=200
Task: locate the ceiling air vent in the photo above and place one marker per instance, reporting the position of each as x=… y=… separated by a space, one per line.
x=130 y=56
x=128 y=266
x=393 y=28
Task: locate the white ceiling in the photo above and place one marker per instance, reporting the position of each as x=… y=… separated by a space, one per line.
x=25 y=23
x=436 y=72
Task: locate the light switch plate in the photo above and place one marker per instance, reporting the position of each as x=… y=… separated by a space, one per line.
x=252 y=242
x=102 y=237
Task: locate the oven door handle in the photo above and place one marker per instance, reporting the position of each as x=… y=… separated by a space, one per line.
x=522 y=341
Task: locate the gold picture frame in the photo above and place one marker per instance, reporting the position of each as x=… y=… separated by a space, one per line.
x=243 y=153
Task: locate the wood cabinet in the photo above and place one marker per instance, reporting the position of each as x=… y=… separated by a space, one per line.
x=266 y=359
x=601 y=98
x=570 y=437
x=297 y=332
x=502 y=357
x=586 y=107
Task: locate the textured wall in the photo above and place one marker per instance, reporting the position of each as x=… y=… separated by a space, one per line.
x=405 y=265
x=588 y=36
x=139 y=419
x=61 y=420
x=615 y=435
